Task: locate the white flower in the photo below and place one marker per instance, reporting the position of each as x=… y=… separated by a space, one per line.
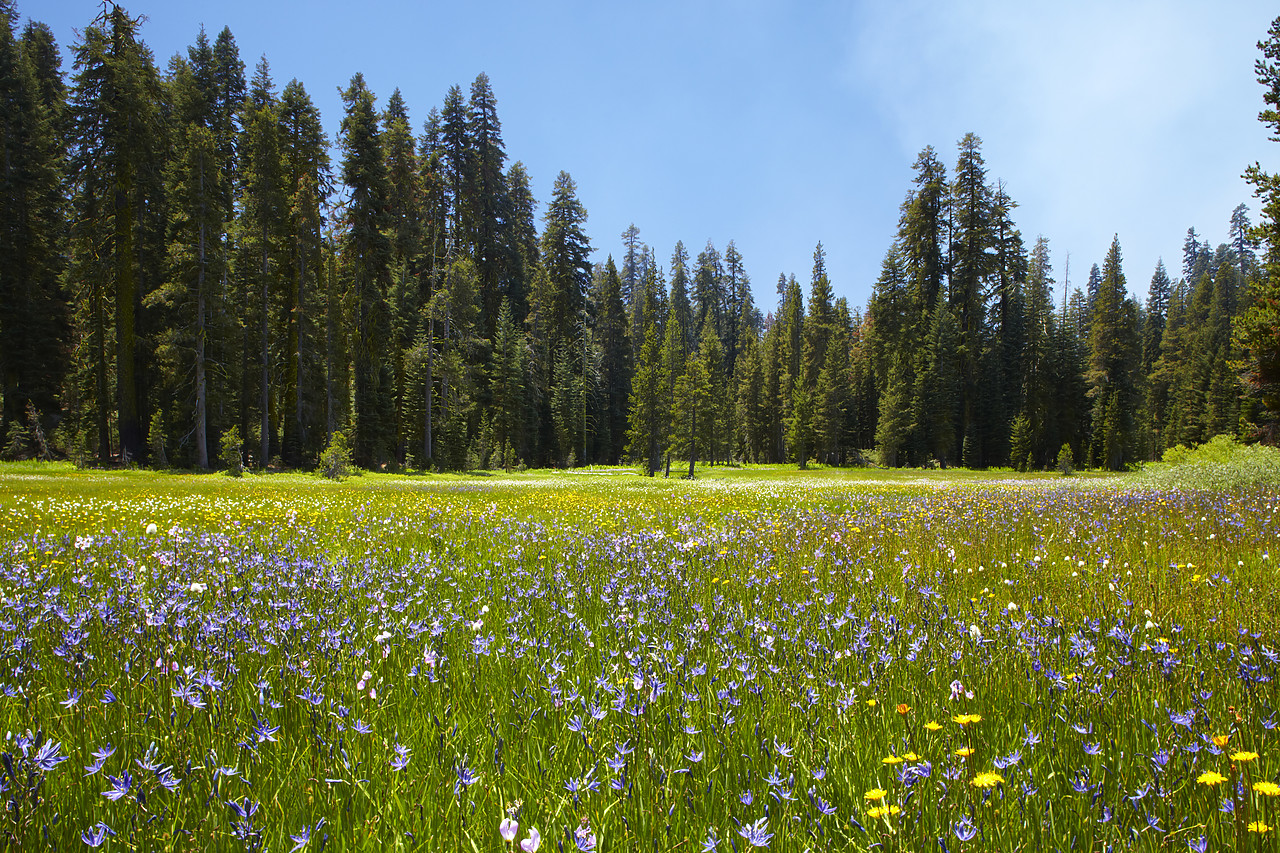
x=1151 y=625
x=151 y=528
x=508 y=829
x=1012 y=608
x=197 y=588
x=533 y=842
x=976 y=633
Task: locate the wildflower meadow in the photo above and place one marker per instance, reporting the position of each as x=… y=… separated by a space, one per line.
x=755 y=659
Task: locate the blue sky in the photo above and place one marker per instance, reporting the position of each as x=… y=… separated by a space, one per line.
x=780 y=124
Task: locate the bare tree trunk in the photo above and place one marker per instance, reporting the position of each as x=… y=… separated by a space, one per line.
x=264 y=438
x=202 y=435
x=431 y=385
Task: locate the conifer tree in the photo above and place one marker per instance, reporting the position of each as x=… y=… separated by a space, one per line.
x=649 y=415
x=1257 y=330
x=307 y=181
x=33 y=311
x=368 y=254
x=1113 y=363
x=260 y=236
x=116 y=164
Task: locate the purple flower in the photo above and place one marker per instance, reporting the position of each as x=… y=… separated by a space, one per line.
x=120 y=786
x=49 y=756
x=304 y=836
x=757 y=834
x=964 y=829
x=100 y=758
x=96 y=835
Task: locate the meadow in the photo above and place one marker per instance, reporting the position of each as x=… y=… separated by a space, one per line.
x=599 y=661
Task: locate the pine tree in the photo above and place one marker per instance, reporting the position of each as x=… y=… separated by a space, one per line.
x=307 y=181
x=116 y=163
x=33 y=310
x=691 y=410
x=261 y=233
x=507 y=383
x=1113 y=363
x=1257 y=330
x=196 y=242
x=487 y=202
x=368 y=253
x=649 y=415
x=614 y=344
x=972 y=260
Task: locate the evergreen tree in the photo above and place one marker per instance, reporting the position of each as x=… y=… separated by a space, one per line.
x=1257 y=329
x=116 y=162
x=1113 y=363
x=368 y=253
x=260 y=237
x=972 y=259
x=614 y=344
x=307 y=181
x=196 y=244
x=649 y=415
x=33 y=310
x=487 y=202
x=507 y=384
x=691 y=408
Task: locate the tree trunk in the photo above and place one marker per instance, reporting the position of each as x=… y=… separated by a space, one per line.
x=202 y=435
x=431 y=351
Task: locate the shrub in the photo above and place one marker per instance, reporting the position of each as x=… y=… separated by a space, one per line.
x=229 y=452
x=1066 y=462
x=336 y=461
x=1218 y=464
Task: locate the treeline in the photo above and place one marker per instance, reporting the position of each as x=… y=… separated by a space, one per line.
x=186 y=274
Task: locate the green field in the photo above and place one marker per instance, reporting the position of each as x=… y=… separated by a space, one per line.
x=759 y=657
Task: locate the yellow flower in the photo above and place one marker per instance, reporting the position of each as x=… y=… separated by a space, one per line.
x=904 y=709
x=933 y=726
x=1259 y=827
x=882 y=811
x=892 y=759
x=1267 y=789
x=1243 y=757
x=875 y=795
x=966 y=719
x=1209 y=777
x=987 y=780
x=1220 y=741
x=964 y=752
x=911 y=756
x=871 y=703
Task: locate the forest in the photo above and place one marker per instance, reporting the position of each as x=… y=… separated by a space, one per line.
x=191 y=272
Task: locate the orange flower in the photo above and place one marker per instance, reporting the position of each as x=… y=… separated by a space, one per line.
x=904 y=709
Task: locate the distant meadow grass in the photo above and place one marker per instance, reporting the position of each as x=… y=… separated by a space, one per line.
x=756 y=659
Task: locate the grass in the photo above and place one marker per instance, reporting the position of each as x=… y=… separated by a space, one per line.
x=748 y=659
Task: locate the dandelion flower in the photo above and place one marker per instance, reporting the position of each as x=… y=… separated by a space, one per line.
x=891 y=760
x=964 y=752
x=903 y=709
x=875 y=795
x=966 y=719
x=882 y=811
x=1211 y=778
x=1220 y=741
x=1259 y=827
x=1267 y=789
x=910 y=756
x=1243 y=757
x=933 y=725
x=987 y=780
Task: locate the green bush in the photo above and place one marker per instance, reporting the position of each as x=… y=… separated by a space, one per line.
x=1066 y=462
x=1220 y=463
x=336 y=461
x=229 y=452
